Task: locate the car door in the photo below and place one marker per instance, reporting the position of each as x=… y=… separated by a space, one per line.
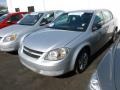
x=13 y=19
x=109 y=24
x=3 y=20
x=116 y=61
x=98 y=31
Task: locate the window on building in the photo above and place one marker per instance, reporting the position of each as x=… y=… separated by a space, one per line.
x=17 y=9
x=31 y=9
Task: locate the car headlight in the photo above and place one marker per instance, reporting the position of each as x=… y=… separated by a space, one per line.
x=10 y=38
x=57 y=54
x=94 y=82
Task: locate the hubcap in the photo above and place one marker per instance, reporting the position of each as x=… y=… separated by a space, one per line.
x=83 y=61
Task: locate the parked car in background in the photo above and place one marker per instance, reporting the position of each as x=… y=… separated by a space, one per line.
x=68 y=42
x=11 y=36
x=10 y=19
x=3 y=11
x=107 y=75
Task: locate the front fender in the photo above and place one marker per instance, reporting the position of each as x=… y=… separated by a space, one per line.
x=22 y=38
x=75 y=54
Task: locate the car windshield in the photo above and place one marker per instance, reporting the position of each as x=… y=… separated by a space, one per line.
x=3 y=17
x=30 y=19
x=73 y=21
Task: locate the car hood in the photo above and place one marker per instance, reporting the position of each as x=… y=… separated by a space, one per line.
x=14 y=29
x=48 y=39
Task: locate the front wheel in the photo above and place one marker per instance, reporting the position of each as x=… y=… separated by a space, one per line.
x=82 y=61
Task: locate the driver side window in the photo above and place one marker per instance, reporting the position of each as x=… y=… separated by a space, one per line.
x=48 y=18
x=99 y=19
x=15 y=18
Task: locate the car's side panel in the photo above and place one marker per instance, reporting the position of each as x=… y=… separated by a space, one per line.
x=117 y=67
x=106 y=72
x=97 y=39
x=109 y=24
x=77 y=45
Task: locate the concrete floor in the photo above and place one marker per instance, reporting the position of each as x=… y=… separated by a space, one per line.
x=14 y=76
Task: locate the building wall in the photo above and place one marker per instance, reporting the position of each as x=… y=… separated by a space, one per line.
x=23 y=5
x=67 y=5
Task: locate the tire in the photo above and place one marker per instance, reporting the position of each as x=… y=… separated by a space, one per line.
x=82 y=61
x=114 y=37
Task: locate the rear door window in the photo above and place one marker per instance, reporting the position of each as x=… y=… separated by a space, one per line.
x=107 y=16
x=15 y=18
x=99 y=19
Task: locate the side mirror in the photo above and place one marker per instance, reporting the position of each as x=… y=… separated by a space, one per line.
x=96 y=27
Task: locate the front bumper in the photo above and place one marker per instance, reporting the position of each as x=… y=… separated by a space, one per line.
x=10 y=46
x=44 y=67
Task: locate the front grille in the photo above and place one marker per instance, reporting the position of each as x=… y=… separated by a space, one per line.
x=37 y=52
x=32 y=53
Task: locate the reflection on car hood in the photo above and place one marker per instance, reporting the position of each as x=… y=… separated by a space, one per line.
x=14 y=29
x=117 y=66
x=48 y=39
x=108 y=69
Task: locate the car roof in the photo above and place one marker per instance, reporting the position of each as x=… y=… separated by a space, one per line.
x=17 y=13
x=89 y=11
x=48 y=11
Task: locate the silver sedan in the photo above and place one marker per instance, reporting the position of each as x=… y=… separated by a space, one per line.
x=11 y=36
x=68 y=42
